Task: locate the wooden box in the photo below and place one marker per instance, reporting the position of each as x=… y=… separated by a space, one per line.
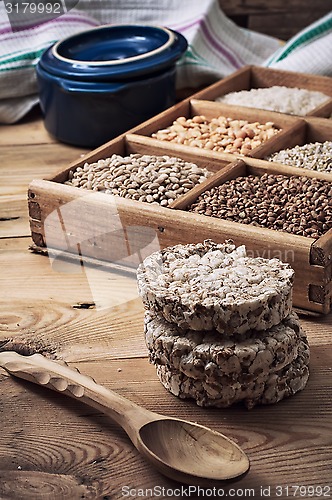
x=113 y=232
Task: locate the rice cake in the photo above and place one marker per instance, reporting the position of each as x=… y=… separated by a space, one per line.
x=214 y=389
x=207 y=355
x=210 y=286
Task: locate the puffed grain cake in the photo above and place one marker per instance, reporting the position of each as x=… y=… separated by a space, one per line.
x=262 y=368
x=277 y=386
x=199 y=354
x=210 y=286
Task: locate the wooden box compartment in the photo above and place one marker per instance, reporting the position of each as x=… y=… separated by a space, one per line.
x=313 y=129
x=76 y=222
x=250 y=77
x=130 y=144
x=310 y=258
x=288 y=125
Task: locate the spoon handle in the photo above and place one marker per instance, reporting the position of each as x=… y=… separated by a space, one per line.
x=61 y=378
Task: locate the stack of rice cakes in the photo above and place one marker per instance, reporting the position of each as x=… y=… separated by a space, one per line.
x=219 y=325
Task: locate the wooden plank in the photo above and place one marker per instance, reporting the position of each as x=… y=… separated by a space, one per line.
x=47 y=307
x=203 y=156
x=19 y=165
x=50 y=433
x=29 y=130
x=212 y=109
x=14 y=218
x=147 y=145
x=275 y=18
x=25 y=132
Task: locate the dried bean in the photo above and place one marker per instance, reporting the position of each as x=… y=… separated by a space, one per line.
x=218 y=134
x=272 y=201
x=151 y=179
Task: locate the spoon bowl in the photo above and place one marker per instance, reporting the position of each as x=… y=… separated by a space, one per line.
x=181 y=450
x=199 y=454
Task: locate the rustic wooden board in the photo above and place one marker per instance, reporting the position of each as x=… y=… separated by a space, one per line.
x=19 y=165
x=54 y=448
x=56 y=443
x=30 y=130
x=277 y=17
x=48 y=306
x=74 y=448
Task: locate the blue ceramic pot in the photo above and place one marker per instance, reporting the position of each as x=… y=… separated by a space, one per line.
x=95 y=85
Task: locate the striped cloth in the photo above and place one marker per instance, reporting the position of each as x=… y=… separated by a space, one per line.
x=309 y=51
x=19 y=54
x=217 y=46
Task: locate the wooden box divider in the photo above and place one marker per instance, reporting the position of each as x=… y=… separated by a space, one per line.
x=311 y=130
x=144 y=145
x=210 y=158
x=212 y=109
x=202 y=157
x=289 y=125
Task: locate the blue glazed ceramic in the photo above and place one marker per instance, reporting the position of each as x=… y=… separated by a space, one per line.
x=95 y=85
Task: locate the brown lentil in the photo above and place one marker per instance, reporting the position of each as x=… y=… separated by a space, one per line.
x=313 y=156
x=296 y=204
x=151 y=179
x=218 y=134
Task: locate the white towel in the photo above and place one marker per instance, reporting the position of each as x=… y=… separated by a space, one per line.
x=310 y=51
x=217 y=46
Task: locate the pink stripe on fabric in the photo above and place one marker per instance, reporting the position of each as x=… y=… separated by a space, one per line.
x=46 y=24
x=219 y=47
x=186 y=26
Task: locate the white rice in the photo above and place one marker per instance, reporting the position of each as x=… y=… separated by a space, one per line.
x=293 y=101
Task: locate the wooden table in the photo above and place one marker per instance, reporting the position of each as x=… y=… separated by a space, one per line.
x=52 y=447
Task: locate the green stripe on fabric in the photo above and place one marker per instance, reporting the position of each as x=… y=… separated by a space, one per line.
x=306 y=36
x=8 y=57
x=193 y=58
x=23 y=57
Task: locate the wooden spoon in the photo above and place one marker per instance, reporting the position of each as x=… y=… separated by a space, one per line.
x=181 y=450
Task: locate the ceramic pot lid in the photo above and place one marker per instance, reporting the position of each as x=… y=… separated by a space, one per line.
x=114 y=52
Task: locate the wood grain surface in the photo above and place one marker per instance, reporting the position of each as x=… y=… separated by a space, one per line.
x=275 y=17
x=52 y=447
